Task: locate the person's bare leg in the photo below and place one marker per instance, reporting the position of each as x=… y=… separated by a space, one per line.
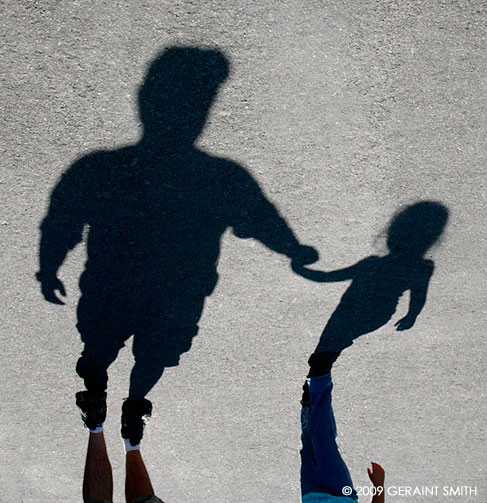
x=137 y=481
x=98 y=480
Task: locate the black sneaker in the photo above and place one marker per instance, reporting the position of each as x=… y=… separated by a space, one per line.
x=93 y=407
x=135 y=415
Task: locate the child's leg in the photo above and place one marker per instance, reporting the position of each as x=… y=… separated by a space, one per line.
x=309 y=476
x=323 y=469
x=97 y=480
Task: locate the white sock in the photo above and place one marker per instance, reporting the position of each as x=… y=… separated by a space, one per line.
x=98 y=429
x=129 y=446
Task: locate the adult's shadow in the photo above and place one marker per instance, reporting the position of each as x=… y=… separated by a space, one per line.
x=155 y=213
x=378 y=282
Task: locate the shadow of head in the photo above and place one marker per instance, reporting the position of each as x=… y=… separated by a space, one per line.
x=414 y=229
x=179 y=88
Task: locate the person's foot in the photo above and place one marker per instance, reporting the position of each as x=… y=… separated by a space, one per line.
x=135 y=415
x=93 y=407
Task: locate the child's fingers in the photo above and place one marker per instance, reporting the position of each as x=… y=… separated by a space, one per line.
x=377 y=467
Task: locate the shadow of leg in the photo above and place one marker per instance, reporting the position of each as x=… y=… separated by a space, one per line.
x=159 y=345
x=94 y=361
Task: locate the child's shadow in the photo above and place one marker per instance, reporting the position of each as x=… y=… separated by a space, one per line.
x=379 y=282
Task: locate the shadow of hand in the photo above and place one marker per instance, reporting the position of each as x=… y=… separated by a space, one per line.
x=50 y=285
x=304 y=255
x=404 y=323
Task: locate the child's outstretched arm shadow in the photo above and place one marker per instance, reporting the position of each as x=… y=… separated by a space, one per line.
x=325 y=276
x=418 y=285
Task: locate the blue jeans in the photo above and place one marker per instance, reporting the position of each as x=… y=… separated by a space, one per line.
x=322 y=467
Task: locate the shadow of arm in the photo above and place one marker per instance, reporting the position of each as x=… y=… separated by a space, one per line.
x=325 y=276
x=417 y=299
x=61 y=230
x=254 y=216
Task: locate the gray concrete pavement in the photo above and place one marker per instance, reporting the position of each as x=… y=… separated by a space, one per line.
x=343 y=112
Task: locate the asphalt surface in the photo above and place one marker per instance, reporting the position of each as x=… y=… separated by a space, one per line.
x=343 y=112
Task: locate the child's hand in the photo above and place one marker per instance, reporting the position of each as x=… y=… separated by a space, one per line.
x=297 y=267
x=404 y=323
x=376 y=475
